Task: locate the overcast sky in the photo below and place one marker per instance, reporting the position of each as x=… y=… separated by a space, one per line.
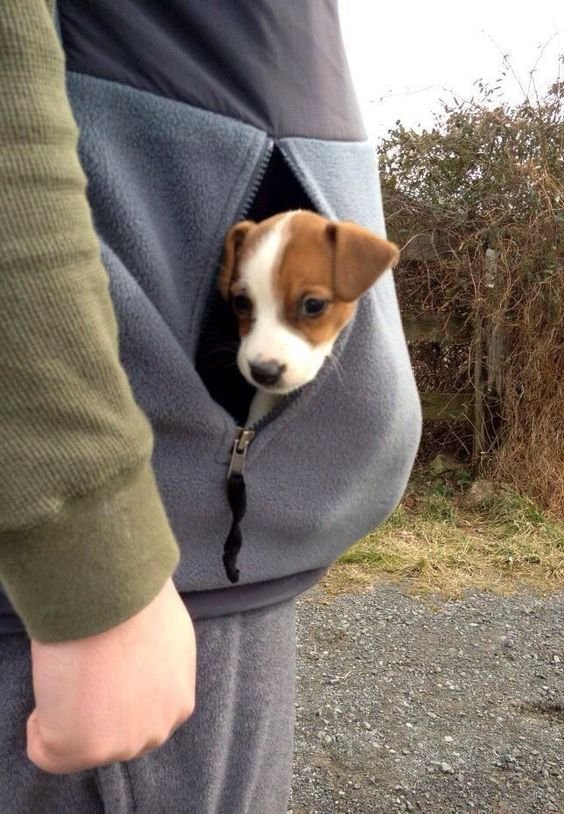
x=406 y=56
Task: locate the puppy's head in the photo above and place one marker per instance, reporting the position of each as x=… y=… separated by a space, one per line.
x=293 y=281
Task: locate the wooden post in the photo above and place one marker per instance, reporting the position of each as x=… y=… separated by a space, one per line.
x=495 y=352
x=478 y=445
x=495 y=344
x=482 y=404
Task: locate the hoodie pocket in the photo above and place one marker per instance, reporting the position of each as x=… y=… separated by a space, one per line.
x=273 y=189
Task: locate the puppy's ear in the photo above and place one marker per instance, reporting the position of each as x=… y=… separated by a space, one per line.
x=359 y=258
x=233 y=242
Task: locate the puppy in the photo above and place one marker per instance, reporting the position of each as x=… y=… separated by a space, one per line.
x=293 y=282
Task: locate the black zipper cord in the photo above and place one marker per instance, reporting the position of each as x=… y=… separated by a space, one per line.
x=237 y=497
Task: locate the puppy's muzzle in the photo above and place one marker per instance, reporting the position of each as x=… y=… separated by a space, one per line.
x=267 y=374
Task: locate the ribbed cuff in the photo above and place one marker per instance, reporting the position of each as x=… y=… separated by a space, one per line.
x=102 y=559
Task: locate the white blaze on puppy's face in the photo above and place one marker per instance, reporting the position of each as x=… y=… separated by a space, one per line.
x=270 y=339
x=294 y=280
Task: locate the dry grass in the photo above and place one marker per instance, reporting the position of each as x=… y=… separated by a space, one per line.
x=432 y=545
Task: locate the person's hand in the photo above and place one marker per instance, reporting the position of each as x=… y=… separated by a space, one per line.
x=116 y=695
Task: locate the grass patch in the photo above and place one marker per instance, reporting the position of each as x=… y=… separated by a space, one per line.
x=432 y=543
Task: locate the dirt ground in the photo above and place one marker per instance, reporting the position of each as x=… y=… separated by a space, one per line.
x=408 y=704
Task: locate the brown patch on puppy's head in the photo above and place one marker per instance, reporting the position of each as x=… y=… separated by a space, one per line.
x=330 y=262
x=232 y=246
x=360 y=257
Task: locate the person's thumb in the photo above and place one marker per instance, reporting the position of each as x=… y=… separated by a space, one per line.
x=39 y=752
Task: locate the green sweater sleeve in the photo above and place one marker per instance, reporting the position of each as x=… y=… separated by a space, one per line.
x=84 y=540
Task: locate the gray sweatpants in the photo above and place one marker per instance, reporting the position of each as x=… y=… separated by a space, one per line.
x=234 y=756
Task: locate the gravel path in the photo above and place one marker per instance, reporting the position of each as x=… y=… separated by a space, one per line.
x=445 y=708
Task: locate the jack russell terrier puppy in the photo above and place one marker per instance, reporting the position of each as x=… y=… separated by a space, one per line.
x=293 y=281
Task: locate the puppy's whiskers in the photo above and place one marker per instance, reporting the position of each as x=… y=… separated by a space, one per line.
x=338 y=367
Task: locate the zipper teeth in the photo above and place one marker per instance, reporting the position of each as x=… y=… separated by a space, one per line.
x=251 y=193
x=257 y=180
x=274 y=413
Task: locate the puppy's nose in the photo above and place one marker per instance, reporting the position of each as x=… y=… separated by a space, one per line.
x=267 y=373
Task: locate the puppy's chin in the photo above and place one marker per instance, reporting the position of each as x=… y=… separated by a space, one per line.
x=278 y=390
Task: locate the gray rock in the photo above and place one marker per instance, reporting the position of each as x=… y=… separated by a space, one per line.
x=481 y=493
x=444 y=463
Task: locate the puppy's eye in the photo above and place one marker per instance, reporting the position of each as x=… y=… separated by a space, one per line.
x=313 y=306
x=242 y=305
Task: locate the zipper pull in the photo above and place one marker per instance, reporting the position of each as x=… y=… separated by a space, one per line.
x=243 y=438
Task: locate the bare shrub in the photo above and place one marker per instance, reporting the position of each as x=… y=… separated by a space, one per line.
x=491 y=175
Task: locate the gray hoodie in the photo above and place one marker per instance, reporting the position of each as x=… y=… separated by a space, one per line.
x=181 y=107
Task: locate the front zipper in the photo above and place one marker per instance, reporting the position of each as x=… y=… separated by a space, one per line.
x=244 y=436
x=253 y=189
